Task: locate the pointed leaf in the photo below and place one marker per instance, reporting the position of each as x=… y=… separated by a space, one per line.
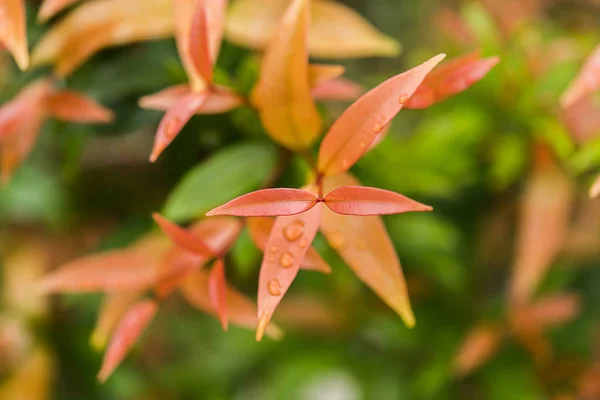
x=260 y=228
x=49 y=8
x=339 y=89
x=480 y=344
x=288 y=243
x=73 y=106
x=595 y=188
x=217 y=292
x=547 y=312
x=363 y=243
x=336 y=31
x=586 y=82
x=126 y=334
x=320 y=73
x=282 y=94
x=361 y=200
x=268 y=202
x=13 y=32
x=174 y=120
x=219 y=99
x=241 y=310
x=113 y=309
x=351 y=135
x=582 y=118
x=182 y=237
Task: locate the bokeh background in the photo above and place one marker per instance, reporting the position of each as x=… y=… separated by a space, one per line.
x=474 y=157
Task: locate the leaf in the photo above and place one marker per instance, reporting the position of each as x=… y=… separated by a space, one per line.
x=320 y=73
x=241 y=311
x=182 y=237
x=49 y=8
x=199 y=51
x=97 y=24
x=113 y=309
x=174 y=120
x=282 y=94
x=582 y=119
x=364 y=244
x=546 y=312
x=351 y=135
x=480 y=344
x=595 y=188
x=288 y=243
x=268 y=202
x=336 y=31
x=586 y=82
x=260 y=228
x=217 y=292
x=451 y=78
x=126 y=334
x=339 y=89
x=218 y=100
x=227 y=174
x=13 y=32
x=361 y=200
x=72 y=106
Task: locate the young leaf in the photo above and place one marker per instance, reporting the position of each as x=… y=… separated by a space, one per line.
x=49 y=8
x=217 y=292
x=282 y=94
x=113 y=309
x=546 y=312
x=13 y=32
x=586 y=82
x=260 y=228
x=241 y=311
x=321 y=73
x=174 y=120
x=268 y=202
x=126 y=334
x=218 y=100
x=198 y=43
x=182 y=237
x=336 y=31
x=72 y=106
x=351 y=135
x=480 y=344
x=363 y=243
x=582 y=118
x=339 y=89
x=288 y=243
x=361 y=200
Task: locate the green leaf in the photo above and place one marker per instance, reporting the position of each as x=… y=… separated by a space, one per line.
x=228 y=174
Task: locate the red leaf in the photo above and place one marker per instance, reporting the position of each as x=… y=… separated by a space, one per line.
x=339 y=89
x=217 y=292
x=350 y=136
x=586 y=82
x=199 y=43
x=72 y=106
x=182 y=237
x=268 y=202
x=113 y=309
x=219 y=99
x=288 y=243
x=175 y=118
x=361 y=200
x=127 y=333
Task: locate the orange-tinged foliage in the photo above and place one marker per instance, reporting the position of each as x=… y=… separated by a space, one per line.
x=586 y=82
x=361 y=200
x=182 y=237
x=268 y=202
x=339 y=89
x=582 y=118
x=336 y=31
x=218 y=100
x=114 y=307
x=49 y=8
x=595 y=188
x=67 y=105
x=13 y=33
x=320 y=73
x=480 y=344
x=352 y=134
x=282 y=94
x=217 y=291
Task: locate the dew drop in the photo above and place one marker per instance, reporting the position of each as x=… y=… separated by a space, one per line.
x=378 y=127
x=403 y=99
x=294 y=231
x=286 y=260
x=274 y=287
x=383 y=118
x=274 y=249
x=303 y=243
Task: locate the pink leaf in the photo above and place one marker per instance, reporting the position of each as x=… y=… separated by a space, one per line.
x=199 y=43
x=339 y=89
x=288 y=243
x=127 y=333
x=113 y=309
x=361 y=200
x=586 y=82
x=219 y=99
x=268 y=202
x=350 y=136
x=72 y=106
x=217 y=292
x=182 y=237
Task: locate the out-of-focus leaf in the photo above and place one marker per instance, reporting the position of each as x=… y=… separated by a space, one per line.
x=320 y=73
x=546 y=312
x=586 y=82
x=480 y=344
x=182 y=237
x=365 y=246
x=13 y=32
x=217 y=292
x=339 y=89
x=229 y=173
x=595 y=188
x=49 y=8
x=129 y=330
x=336 y=31
x=32 y=380
x=268 y=202
x=241 y=310
x=288 y=243
x=582 y=118
x=351 y=135
x=218 y=100
x=282 y=94
x=73 y=106
x=361 y=200
x=114 y=307
x=98 y=24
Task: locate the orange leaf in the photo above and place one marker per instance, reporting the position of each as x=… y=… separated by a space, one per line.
x=97 y=24
x=49 y=8
x=182 y=237
x=586 y=82
x=217 y=291
x=547 y=312
x=13 y=32
x=363 y=243
x=595 y=189
x=361 y=200
x=72 y=106
x=113 y=309
x=241 y=310
x=480 y=344
x=351 y=135
x=288 y=243
x=126 y=334
x=198 y=43
x=174 y=120
x=339 y=89
x=282 y=94
x=219 y=99
x=320 y=73
x=268 y=202
x=260 y=228
x=336 y=31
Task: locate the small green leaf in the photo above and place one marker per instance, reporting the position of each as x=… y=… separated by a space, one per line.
x=228 y=174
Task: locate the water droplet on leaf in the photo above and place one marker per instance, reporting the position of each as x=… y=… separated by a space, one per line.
x=286 y=260
x=274 y=287
x=403 y=99
x=294 y=231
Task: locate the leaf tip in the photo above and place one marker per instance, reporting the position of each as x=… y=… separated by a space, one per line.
x=262 y=325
